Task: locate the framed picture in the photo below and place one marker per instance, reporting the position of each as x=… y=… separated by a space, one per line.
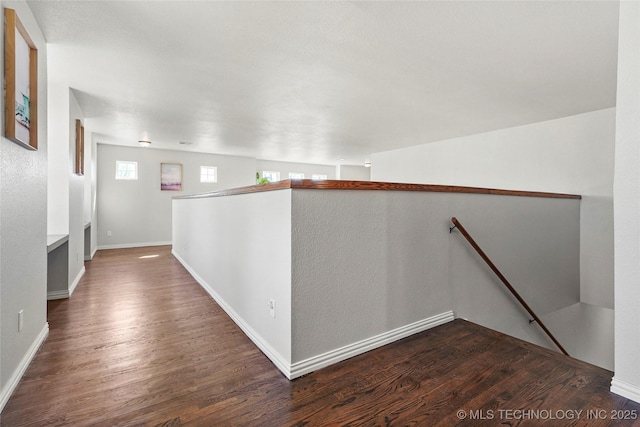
x=79 y=148
x=171 y=176
x=21 y=83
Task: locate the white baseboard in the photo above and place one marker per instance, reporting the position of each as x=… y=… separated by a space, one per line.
x=76 y=280
x=51 y=295
x=11 y=385
x=322 y=360
x=90 y=257
x=66 y=293
x=304 y=367
x=134 y=245
x=625 y=389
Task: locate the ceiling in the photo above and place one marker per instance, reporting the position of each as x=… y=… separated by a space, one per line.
x=316 y=82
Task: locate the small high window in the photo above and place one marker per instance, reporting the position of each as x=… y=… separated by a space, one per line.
x=271 y=176
x=208 y=174
x=318 y=176
x=126 y=170
x=296 y=175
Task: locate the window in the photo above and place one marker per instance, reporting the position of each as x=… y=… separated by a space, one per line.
x=319 y=176
x=296 y=175
x=126 y=170
x=271 y=176
x=208 y=174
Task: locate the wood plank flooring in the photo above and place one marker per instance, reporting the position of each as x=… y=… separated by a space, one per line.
x=141 y=344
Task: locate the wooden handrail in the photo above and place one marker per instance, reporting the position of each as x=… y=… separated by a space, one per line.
x=310 y=184
x=504 y=280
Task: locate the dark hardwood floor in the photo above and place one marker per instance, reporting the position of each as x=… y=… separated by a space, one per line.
x=141 y=344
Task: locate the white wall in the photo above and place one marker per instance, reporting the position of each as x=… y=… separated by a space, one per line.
x=360 y=265
x=23 y=231
x=535 y=244
x=367 y=262
x=351 y=270
x=355 y=173
x=626 y=381
x=90 y=180
x=285 y=167
x=137 y=212
x=76 y=184
x=66 y=189
x=58 y=162
x=90 y=140
x=568 y=155
x=228 y=243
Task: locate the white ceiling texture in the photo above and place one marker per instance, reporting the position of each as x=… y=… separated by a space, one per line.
x=317 y=82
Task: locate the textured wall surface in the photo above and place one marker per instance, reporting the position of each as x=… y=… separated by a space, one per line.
x=138 y=212
x=627 y=207
x=23 y=231
x=568 y=155
x=346 y=266
x=239 y=248
x=76 y=201
x=535 y=244
x=364 y=262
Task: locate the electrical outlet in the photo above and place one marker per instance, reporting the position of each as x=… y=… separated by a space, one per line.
x=20 y=320
x=272 y=308
x=108 y=233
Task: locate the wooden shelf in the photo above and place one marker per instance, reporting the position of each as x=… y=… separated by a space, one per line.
x=54 y=241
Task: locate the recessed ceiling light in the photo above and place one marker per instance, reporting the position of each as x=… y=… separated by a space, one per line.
x=144 y=143
x=367 y=164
